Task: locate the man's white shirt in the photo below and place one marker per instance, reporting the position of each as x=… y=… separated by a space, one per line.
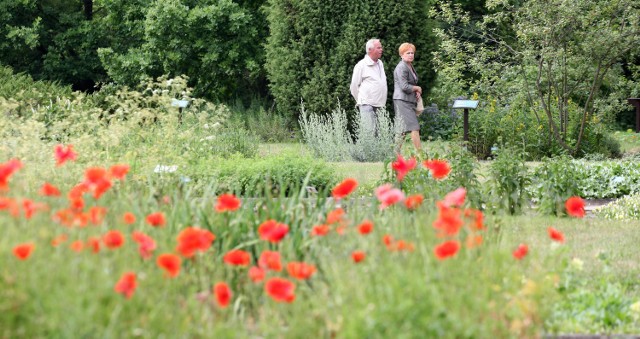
x=369 y=83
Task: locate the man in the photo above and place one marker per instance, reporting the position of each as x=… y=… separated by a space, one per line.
x=369 y=84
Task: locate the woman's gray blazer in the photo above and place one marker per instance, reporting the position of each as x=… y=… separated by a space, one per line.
x=404 y=80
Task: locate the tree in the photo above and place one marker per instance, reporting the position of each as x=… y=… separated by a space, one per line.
x=216 y=43
x=561 y=52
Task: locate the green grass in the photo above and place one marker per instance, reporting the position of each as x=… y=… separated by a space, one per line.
x=629 y=141
x=481 y=292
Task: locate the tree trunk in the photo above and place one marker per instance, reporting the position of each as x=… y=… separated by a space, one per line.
x=88 y=9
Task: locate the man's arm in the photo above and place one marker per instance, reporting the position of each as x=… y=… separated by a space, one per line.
x=356 y=80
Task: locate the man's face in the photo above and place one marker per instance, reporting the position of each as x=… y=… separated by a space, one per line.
x=376 y=52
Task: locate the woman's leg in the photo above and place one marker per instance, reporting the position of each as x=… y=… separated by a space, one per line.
x=415 y=138
x=399 y=142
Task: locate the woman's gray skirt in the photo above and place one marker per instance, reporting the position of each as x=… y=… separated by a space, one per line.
x=406 y=118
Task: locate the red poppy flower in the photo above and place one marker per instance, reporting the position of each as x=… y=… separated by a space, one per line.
x=6 y=171
x=449 y=220
x=49 y=190
x=387 y=240
x=455 y=198
x=97 y=214
x=10 y=205
x=478 y=218
x=237 y=258
x=94 y=244
x=30 y=207
x=402 y=245
x=388 y=195
x=223 y=294
x=521 y=251
x=127 y=284
x=59 y=240
x=320 y=230
x=227 y=202
x=146 y=244
x=113 y=239
x=63 y=154
x=402 y=166
x=97 y=180
x=365 y=227
x=335 y=216
x=156 y=219
x=344 y=188
x=23 y=251
x=341 y=229
x=191 y=240
x=256 y=274
x=272 y=231
x=78 y=191
x=439 y=168
x=413 y=201
x=575 y=207
x=170 y=263
x=447 y=249
x=358 y=256
x=77 y=246
x=280 y=290
x=300 y=270
x=67 y=217
x=270 y=260
x=119 y=171
x=129 y=218
x=555 y=235
x=473 y=240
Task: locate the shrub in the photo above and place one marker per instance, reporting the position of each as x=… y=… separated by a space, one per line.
x=329 y=137
x=437 y=124
x=463 y=174
x=508 y=180
x=553 y=183
x=626 y=208
x=256 y=177
x=233 y=139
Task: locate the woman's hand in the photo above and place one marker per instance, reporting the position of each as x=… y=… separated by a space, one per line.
x=418 y=90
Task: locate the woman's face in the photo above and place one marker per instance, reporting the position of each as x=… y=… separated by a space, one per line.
x=408 y=55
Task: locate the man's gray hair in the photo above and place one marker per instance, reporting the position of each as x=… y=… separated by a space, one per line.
x=369 y=45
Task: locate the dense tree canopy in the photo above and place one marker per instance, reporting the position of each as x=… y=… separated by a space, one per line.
x=216 y=43
x=304 y=50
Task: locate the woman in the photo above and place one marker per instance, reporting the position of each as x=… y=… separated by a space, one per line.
x=406 y=94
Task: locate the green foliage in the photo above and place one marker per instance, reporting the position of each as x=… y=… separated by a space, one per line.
x=314 y=45
x=233 y=139
x=212 y=42
x=329 y=137
x=553 y=183
x=440 y=125
x=608 y=179
x=587 y=306
x=625 y=208
x=508 y=180
x=26 y=93
x=341 y=298
x=550 y=68
x=269 y=125
x=251 y=177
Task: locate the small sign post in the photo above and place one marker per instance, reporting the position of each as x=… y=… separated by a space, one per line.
x=636 y=102
x=180 y=104
x=466 y=105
